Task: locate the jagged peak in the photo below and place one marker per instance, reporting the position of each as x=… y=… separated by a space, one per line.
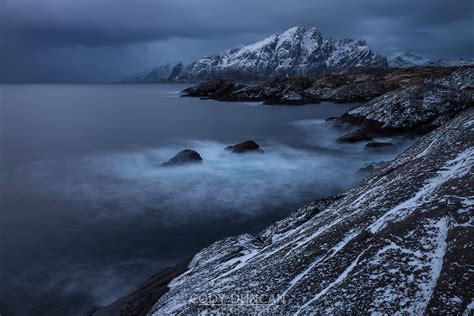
x=295 y=30
x=295 y=51
x=407 y=54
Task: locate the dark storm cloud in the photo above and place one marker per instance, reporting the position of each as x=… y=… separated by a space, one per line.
x=100 y=39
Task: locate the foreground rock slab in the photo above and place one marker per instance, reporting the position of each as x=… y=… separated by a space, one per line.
x=400 y=242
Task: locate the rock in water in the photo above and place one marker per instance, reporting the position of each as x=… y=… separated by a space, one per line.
x=184 y=157
x=379 y=146
x=356 y=136
x=243 y=147
x=220 y=89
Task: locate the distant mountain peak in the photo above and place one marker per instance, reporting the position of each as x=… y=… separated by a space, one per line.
x=296 y=51
x=407 y=59
x=155 y=75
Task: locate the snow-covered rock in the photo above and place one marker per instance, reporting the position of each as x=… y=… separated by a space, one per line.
x=296 y=51
x=406 y=59
x=444 y=62
x=423 y=105
x=400 y=242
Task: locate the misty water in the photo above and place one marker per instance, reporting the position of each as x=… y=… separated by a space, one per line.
x=87 y=212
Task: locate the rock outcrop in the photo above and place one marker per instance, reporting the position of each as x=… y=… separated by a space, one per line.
x=349 y=85
x=418 y=107
x=357 y=136
x=219 y=89
x=140 y=301
x=187 y=156
x=247 y=146
x=400 y=242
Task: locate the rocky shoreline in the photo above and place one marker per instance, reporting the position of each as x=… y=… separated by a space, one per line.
x=401 y=241
x=348 y=86
x=415 y=210
x=406 y=229
x=396 y=101
x=141 y=300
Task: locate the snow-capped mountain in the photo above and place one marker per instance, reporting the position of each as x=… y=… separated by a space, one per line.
x=406 y=59
x=296 y=51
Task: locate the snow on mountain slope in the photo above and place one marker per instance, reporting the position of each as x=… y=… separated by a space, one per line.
x=406 y=59
x=444 y=62
x=400 y=242
x=296 y=51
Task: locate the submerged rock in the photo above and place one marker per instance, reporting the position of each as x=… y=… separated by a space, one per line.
x=359 y=135
x=186 y=156
x=243 y=147
x=379 y=145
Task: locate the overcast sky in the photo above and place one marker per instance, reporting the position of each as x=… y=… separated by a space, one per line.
x=105 y=40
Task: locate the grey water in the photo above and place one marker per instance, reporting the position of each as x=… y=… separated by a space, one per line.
x=87 y=213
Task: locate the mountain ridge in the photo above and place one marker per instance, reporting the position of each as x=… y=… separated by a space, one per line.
x=296 y=51
x=406 y=60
